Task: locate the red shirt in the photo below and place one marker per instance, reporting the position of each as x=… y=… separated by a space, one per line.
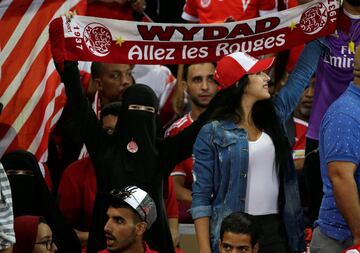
x=77 y=191
x=147 y=250
x=300 y=138
x=172 y=208
x=217 y=11
x=184 y=168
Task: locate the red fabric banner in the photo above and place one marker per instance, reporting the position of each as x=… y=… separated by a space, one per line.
x=107 y=40
x=30 y=89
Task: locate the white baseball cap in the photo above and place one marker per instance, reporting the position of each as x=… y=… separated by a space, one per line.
x=139 y=200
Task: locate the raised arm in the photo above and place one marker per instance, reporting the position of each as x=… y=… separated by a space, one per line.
x=287 y=99
x=85 y=127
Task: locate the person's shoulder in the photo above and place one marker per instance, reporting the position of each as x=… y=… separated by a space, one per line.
x=217 y=123
x=346 y=104
x=78 y=166
x=338 y=113
x=213 y=127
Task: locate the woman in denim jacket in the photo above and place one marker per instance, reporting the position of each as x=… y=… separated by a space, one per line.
x=243 y=160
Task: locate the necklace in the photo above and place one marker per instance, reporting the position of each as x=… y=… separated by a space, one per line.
x=351 y=42
x=354 y=32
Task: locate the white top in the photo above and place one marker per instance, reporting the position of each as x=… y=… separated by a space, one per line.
x=262 y=181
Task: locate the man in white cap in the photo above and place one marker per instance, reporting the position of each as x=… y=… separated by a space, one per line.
x=130 y=213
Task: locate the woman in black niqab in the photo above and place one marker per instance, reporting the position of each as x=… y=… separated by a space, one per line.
x=31 y=196
x=136 y=128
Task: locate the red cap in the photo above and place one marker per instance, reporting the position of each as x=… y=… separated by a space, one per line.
x=233 y=67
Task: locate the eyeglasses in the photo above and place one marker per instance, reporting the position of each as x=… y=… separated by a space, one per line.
x=49 y=244
x=127 y=193
x=142 y=108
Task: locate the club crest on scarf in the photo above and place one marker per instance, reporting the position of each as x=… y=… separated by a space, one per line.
x=132 y=147
x=97 y=39
x=314 y=19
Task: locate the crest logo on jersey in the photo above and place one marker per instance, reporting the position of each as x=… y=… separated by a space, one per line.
x=245 y=4
x=205 y=3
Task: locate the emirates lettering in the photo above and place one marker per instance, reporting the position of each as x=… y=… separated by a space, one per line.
x=344 y=61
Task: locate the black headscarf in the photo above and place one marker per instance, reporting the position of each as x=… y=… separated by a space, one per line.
x=31 y=196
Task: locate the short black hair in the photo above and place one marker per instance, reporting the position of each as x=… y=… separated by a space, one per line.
x=96 y=68
x=239 y=223
x=110 y=109
x=187 y=66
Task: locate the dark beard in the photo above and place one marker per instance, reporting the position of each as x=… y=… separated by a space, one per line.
x=128 y=243
x=355 y=3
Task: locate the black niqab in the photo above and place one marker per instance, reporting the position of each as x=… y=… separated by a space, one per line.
x=138 y=127
x=32 y=197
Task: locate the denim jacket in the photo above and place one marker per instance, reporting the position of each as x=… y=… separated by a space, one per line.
x=220 y=170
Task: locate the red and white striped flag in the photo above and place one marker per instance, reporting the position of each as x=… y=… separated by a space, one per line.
x=30 y=87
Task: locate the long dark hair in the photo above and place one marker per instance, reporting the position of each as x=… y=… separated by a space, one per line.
x=263 y=114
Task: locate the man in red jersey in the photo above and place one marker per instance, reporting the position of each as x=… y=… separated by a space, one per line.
x=216 y=11
x=201 y=88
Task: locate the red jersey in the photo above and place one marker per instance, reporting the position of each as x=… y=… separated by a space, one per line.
x=77 y=191
x=172 y=208
x=300 y=138
x=147 y=250
x=217 y=11
x=185 y=167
